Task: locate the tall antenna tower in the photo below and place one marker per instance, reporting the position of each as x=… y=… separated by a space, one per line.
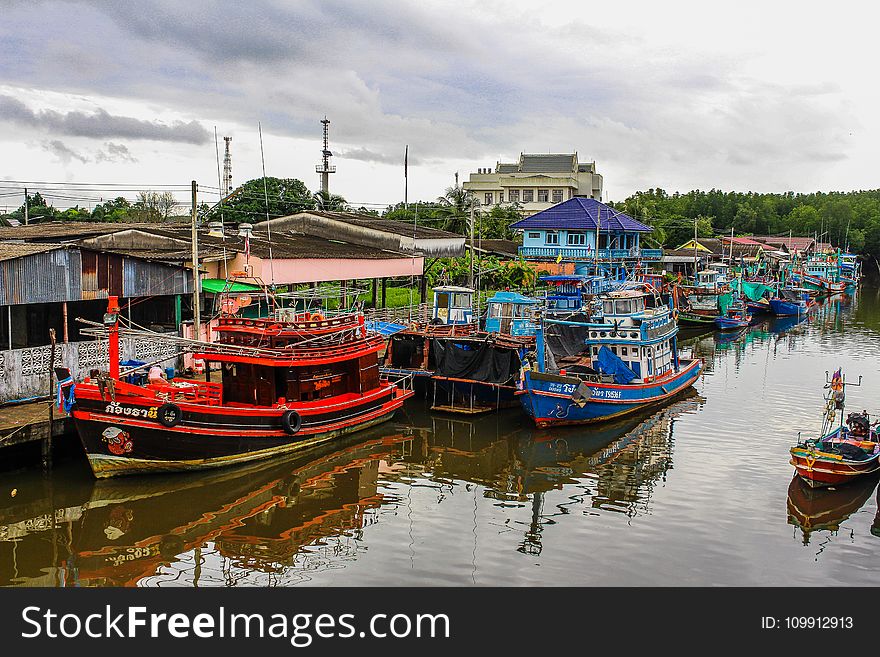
x=325 y=168
x=227 y=169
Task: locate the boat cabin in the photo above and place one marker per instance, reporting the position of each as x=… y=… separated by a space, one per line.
x=708 y=278
x=821 y=268
x=295 y=368
x=723 y=270
x=511 y=313
x=453 y=305
x=638 y=330
x=567 y=293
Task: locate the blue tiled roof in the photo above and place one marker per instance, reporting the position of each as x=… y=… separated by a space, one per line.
x=580 y=214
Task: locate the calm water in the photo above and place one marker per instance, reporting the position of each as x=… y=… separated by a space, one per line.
x=698 y=493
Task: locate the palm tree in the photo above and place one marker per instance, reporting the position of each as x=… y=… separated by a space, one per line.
x=330 y=202
x=455 y=208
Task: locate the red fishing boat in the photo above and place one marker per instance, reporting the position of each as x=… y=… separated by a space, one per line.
x=842 y=454
x=285 y=384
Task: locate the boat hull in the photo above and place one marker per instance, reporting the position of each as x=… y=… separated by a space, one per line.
x=125 y=437
x=728 y=324
x=819 y=470
x=547 y=398
x=697 y=319
x=823 y=285
x=756 y=307
x=783 y=308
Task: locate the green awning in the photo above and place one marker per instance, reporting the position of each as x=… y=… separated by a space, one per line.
x=217 y=285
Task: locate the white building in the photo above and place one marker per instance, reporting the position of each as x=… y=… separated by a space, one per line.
x=536 y=182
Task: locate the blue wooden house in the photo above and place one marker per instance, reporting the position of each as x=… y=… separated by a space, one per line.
x=569 y=232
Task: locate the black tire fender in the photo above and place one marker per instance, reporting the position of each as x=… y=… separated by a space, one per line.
x=291 y=421
x=169 y=415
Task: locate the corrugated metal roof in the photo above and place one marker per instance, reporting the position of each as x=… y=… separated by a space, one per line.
x=383 y=225
x=67 y=230
x=9 y=251
x=581 y=214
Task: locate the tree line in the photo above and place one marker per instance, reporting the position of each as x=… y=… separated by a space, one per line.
x=844 y=219
x=255 y=201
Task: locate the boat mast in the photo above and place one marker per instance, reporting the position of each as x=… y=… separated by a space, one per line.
x=197 y=315
x=111 y=321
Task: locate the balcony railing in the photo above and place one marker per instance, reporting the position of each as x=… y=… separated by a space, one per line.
x=583 y=253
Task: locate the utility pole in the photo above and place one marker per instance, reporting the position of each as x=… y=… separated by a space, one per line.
x=25 y=207
x=197 y=319
x=472 y=242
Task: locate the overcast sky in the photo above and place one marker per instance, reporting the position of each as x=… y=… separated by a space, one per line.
x=763 y=96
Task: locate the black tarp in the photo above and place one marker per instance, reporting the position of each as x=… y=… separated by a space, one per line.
x=564 y=340
x=477 y=361
x=407 y=351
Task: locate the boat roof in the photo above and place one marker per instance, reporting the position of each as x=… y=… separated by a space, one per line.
x=452 y=288
x=570 y=277
x=625 y=294
x=511 y=297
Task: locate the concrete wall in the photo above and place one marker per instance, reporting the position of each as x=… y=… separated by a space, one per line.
x=24 y=373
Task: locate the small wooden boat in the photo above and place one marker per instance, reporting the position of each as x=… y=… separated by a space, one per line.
x=759 y=307
x=840 y=454
x=736 y=317
x=792 y=301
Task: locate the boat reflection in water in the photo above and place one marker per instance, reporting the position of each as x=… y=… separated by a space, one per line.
x=615 y=469
x=215 y=526
x=825 y=509
x=611 y=467
x=284 y=522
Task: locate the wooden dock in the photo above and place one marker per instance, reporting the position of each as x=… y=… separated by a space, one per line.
x=29 y=423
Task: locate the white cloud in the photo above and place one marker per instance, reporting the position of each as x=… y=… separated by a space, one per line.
x=680 y=95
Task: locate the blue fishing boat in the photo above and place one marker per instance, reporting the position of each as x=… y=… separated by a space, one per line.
x=569 y=294
x=511 y=313
x=792 y=301
x=736 y=317
x=631 y=362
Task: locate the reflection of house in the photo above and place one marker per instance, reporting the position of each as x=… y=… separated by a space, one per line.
x=536 y=182
x=585 y=231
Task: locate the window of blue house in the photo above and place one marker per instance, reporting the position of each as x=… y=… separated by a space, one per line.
x=551 y=237
x=577 y=239
x=534 y=236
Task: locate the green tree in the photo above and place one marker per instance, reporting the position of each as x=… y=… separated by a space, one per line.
x=454 y=210
x=495 y=224
x=286 y=196
x=116 y=210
